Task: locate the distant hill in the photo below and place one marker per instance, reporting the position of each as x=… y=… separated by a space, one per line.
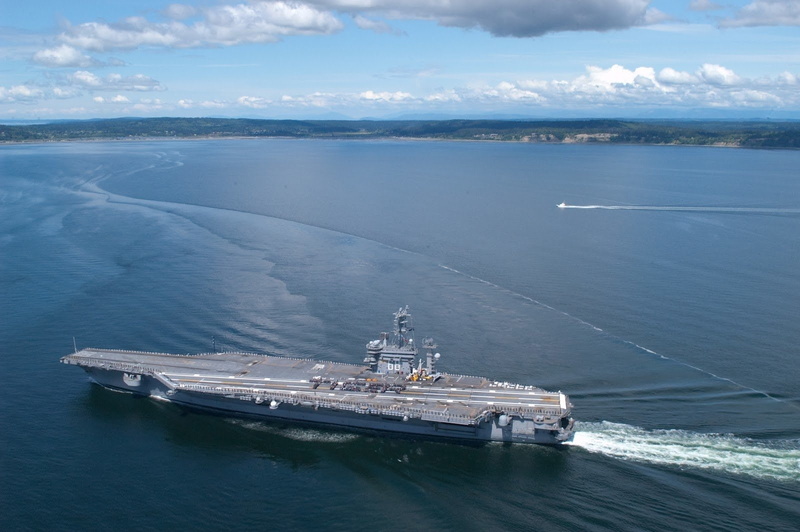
x=764 y=134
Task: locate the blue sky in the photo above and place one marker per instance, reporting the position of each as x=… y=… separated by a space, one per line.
x=399 y=58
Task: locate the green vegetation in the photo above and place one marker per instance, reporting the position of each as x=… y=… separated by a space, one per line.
x=740 y=134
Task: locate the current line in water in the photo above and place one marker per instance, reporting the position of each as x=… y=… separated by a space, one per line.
x=617 y=338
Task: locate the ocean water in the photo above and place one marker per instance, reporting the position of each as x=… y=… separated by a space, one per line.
x=664 y=299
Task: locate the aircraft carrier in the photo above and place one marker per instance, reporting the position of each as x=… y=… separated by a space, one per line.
x=395 y=390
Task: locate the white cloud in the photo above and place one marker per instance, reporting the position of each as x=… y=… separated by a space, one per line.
x=510 y=92
x=787 y=78
x=612 y=87
x=385 y=96
x=113 y=82
x=119 y=98
x=207 y=104
x=718 y=75
x=63 y=56
x=20 y=94
x=766 y=13
x=671 y=76
x=711 y=86
x=611 y=78
x=445 y=96
x=598 y=88
x=754 y=98
x=226 y=25
x=213 y=104
x=253 y=102
x=85 y=79
x=65 y=92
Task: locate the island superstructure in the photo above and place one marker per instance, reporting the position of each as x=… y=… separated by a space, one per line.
x=396 y=389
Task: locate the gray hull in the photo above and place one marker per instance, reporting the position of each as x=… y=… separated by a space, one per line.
x=364 y=420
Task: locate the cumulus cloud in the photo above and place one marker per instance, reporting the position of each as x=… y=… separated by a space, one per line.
x=709 y=86
x=223 y=25
x=113 y=82
x=670 y=76
x=511 y=92
x=611 y=78
x=718 y=75
x=385 y=96
x=28 y=94
x=64 y=93
x=444 y=96
x=787 y=78
x=752 y=97
x=119 y=98
x=63 y=56
x=615 y=86
x=253 y=102
x=766 y=13
x=20 y=94
x=213 y=104
x=517 y=18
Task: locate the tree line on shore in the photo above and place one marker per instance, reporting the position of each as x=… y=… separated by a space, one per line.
x=749 y=134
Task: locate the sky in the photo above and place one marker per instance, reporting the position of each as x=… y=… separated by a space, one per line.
x=81 y=59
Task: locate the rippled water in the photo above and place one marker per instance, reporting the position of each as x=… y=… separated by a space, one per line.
x=663 y=297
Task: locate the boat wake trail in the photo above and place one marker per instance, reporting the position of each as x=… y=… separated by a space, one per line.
x=678 y=208
x=778 y=460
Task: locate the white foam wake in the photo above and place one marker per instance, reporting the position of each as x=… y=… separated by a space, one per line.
x=296 y=433
x=678 y=208
x=779 y=460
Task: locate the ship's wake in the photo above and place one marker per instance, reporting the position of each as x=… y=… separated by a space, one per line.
x=779 y=460
x=679 y=208
x=296 y=433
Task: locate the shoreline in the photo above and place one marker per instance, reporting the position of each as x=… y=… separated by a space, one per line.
x=567 y=142
x=754 y=135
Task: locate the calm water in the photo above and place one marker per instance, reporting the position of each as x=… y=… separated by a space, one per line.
x=667 y=308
